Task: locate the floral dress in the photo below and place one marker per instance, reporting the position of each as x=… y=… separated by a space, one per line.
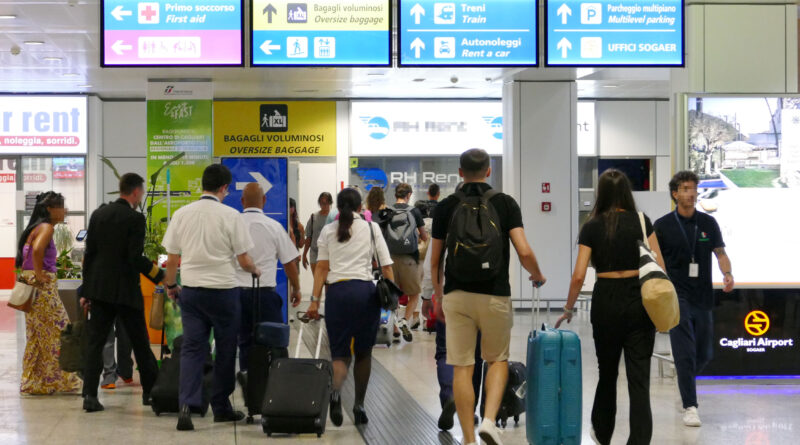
x=41 y=373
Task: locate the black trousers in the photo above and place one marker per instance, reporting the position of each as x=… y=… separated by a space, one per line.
x=621 y=324
x=100 y=322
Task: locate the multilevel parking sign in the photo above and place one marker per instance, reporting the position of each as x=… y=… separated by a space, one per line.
x=467 y=33
x=614 y=33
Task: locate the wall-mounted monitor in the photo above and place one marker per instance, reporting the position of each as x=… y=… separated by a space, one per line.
x=172 y=33
x=746 y=152
x=321 y=33
x=467 y=33
x=614 y=33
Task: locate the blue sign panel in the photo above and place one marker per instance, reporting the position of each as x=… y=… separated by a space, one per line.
x=321 y=33
x=614 y=33
x=467 y=33
x=272 y=174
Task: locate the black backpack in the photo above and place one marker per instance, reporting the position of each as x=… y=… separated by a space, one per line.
x=474 y=241
x=400 y=231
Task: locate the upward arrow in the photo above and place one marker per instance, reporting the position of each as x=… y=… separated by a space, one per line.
x=564 y=45
x=417 y=11
x=417 y=45
x=269 y=10
x=564 y=11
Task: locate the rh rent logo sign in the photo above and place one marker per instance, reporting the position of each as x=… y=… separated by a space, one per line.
x=274 y=118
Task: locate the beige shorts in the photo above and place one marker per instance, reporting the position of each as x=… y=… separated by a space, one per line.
x=406 y=274
x=465 y=314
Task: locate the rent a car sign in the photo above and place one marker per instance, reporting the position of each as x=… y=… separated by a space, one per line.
x=43 y=125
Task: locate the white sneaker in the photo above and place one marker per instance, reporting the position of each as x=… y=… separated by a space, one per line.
x=489 y=433
x=691 y=418
x=593 y=436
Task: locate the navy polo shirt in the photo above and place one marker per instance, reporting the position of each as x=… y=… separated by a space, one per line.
x=676 y=248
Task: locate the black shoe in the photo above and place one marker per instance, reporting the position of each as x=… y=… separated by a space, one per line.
x=446 y=418
x=359 y=415
x=230 y=416
x=336 y=409
x=146 y=401
x=91 y=404
x=416 y=324
x=185 y=419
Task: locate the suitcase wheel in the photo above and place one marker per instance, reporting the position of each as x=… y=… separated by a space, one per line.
x=158 y=413
x=250 y=420
x=319 y=435
x=265 y=427
x=516 y=419
x=504 y=422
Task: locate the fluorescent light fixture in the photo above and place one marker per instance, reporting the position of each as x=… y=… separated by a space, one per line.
x=53 y=59
x=7 y=16
x=610 y=86
x=70 y=74
x=34 y=42
x=84 y=86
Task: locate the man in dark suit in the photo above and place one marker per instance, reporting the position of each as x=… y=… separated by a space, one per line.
x=112 y=264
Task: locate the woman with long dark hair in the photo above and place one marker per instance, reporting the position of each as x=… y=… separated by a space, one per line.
x=619 y=321
x=314 y=227
x=296 y=231
x=36 y=257
x=346 y=250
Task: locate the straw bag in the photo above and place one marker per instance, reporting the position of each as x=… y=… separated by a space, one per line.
x=23 y=295
x=659 y=297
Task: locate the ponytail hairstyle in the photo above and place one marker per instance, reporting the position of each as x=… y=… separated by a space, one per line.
x=40 y=215
x=347 y=201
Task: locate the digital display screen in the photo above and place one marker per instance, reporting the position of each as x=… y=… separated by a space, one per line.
x=321 y=33
x=746 y=152
x=172 y=33
x=614 y=33
x=468 y=33
x=68 y=168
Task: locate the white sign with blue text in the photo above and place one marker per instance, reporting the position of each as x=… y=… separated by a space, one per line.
x=468 y=33
x=614 y=33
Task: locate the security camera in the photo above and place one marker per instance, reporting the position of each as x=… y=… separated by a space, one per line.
x=454 y=79
x=15 y=50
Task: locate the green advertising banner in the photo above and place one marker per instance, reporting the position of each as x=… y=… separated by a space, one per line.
x=179 y=146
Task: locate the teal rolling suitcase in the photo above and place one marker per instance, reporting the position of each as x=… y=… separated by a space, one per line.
x=554 y=390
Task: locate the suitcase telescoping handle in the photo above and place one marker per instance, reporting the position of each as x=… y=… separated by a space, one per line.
x=536 y=302
x=256 y=303
x=304 y=321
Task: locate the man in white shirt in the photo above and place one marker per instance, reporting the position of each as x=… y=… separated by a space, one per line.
x=207 y=239
x=272 y=244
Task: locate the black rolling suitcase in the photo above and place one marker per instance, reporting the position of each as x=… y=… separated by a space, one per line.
x=270 y=342
x=298 y=393
x=512 y=406
x=164 y=395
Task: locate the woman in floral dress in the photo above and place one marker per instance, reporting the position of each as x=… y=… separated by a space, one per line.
x=36 y=256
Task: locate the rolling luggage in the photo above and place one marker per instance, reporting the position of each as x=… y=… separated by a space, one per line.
x=164 y=395
x=554 y=389
x=513 y=403
x=385 y=329
x=298 y=393
x=270 y=341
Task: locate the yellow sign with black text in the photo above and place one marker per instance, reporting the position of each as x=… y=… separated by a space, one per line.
x=280 y=129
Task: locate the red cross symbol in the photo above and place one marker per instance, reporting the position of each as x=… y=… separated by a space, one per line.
x=149 y=13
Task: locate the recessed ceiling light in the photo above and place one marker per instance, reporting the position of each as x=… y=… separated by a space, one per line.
x=70 y=74
x=53 y=59
x=34 y=42
x=7 y=16
x=610 y=86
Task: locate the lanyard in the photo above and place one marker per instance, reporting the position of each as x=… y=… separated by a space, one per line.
x=693 y=243
x=211 y=198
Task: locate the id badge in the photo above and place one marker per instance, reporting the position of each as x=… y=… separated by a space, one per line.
x=694 y=270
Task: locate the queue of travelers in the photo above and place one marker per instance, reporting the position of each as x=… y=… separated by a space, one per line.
x=220 y=252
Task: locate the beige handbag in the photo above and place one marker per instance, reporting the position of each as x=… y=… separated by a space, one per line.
x=659 y=297
x=157 y=309
x=23 y=295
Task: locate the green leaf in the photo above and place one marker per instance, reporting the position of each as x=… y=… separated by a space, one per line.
x=110 y=165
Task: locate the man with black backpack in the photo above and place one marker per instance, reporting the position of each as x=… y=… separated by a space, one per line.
x=475 y=225
x=403 y=228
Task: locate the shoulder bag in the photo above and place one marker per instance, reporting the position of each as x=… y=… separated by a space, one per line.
x=23 y=295
x=388 y=291
x=659 y=297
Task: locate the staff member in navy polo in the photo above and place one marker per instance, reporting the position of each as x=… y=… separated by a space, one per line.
x=207 y=238
x=687 y=239
x=271 y=243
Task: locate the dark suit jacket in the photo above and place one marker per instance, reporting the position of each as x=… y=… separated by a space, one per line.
x=113 y=259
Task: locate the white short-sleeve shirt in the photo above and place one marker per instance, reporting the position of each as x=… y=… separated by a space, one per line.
x=352 y=259
x=271 y=244
x=208 y=235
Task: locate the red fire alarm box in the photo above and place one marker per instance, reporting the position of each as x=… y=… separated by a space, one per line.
x=545 y=187
x=546 y=206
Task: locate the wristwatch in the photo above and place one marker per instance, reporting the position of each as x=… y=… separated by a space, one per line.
x=172 y=286
x=571 y=311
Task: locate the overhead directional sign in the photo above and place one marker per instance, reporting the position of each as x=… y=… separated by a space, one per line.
x=321 y=33
x=614 y=33
x=467 y=33
x=170 y=33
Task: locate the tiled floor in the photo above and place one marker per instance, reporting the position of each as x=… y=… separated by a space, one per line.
x=741 y=413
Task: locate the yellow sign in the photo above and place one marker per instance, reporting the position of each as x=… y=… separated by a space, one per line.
x=321 y=15
x=756 y=323
x=279 y=129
